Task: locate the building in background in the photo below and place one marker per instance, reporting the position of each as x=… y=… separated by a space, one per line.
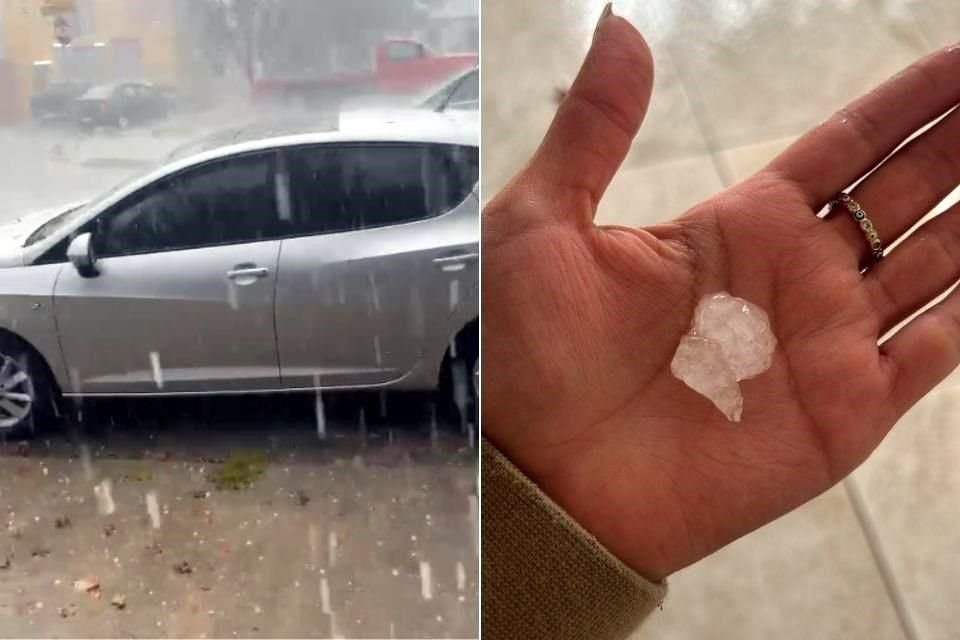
x=90 y=41
x=453 y=26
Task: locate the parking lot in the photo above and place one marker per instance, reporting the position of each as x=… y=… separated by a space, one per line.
x=130 y=526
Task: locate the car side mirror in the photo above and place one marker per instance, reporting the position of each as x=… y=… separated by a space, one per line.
x=80 y=254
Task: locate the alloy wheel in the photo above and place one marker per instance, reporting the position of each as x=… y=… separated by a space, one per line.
x=16 y=393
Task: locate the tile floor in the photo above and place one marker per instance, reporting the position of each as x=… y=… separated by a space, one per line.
x=876 y=557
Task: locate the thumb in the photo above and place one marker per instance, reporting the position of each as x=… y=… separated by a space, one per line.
x=597 y=119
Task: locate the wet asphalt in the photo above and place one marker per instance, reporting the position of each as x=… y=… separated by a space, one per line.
x=368 y=531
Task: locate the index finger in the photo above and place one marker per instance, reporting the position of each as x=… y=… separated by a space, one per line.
x=835 y=154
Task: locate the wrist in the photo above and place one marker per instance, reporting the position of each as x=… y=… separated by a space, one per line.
x=575 y=476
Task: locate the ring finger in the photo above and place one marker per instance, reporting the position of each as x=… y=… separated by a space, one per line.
x=903 y=188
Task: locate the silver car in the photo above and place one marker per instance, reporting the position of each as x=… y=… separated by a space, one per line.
x=345 y=257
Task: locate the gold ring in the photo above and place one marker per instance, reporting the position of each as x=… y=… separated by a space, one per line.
x=861 y=218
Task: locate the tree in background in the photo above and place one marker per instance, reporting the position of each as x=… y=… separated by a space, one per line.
x=295 y=36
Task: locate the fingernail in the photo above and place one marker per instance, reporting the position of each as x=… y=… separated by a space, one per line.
x=606 y=13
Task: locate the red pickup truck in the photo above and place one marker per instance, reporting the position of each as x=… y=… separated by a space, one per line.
x=401 y=67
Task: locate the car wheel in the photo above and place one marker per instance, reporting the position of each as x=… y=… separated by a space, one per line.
x=27 y=397
x=459 y=382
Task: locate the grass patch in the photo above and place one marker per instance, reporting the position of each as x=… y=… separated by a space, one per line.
x=239 y=471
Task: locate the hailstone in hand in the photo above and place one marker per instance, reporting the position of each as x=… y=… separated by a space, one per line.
x=730 y=340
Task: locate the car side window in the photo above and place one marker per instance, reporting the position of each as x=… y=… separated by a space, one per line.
x=222 y=202
x=343 y=188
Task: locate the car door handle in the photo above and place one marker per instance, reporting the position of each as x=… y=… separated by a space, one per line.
x=248 y=273
x=455 y=262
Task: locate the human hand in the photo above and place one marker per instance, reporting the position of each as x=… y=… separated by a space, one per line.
x=580 y=322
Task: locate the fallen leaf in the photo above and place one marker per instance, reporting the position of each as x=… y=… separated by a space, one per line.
x=183 y=568
x=40 y=552
x=301 y=498
x=119 y=601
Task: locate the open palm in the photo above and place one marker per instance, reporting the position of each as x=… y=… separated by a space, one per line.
x=580 y=322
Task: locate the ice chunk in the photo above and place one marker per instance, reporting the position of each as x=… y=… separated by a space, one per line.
x=741 y=329
x=730 y=340
x=700 y=363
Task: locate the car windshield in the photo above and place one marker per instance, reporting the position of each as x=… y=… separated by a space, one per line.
x=98 y=93
x=437 y=97
x=59 y=222
x=67 y=218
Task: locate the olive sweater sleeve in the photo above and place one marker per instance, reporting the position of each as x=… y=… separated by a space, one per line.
x=544 y=576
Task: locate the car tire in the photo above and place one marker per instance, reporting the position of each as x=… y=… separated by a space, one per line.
x=459 y=397
x=28 y=395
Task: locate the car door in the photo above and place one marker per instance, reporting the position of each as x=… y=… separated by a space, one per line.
x=184 y=297
x=126 y=102
x=387 y=246
x=150 y=102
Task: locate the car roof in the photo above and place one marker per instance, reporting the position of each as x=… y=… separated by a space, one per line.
x=368 y=125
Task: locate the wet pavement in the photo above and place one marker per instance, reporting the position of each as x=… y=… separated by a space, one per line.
x=117 y=528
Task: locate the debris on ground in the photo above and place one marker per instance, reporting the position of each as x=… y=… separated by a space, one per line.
x=163 y=456
x=154 y=549
x=183 y=568
x=140 y=475
x=200 y=494
x=68 y=611
x=240 y=471
x=22 y=449
x=40 y=552
x=62 y=522
x=6 y=563
x=119 y=601
x=15 y=532
x=87 y=585
x=34 y=606
x=109 y=529
x=300 y=498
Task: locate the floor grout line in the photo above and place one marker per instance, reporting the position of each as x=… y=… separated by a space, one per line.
x=720 y=163
x=869 y=529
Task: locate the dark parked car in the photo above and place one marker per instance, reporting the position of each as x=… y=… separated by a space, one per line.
x=121 y=105
x=56 y=103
